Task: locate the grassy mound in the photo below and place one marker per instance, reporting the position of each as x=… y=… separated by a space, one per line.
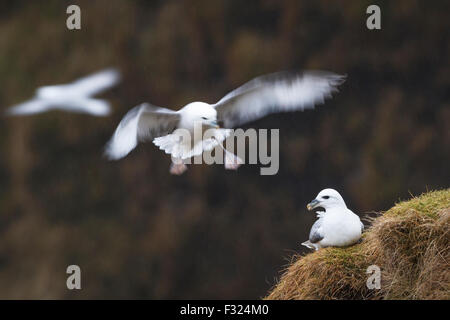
x=410 y=243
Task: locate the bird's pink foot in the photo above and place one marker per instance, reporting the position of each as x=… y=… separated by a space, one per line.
x=178 y=168
x=232 y=161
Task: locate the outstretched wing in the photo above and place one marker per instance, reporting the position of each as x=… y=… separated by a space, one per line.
x=278 y=92
x=29 y=107
x=94 y=83
x=95 y=107
x=142 y=123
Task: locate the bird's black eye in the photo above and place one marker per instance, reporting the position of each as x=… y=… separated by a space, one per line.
x=326 y=197
x=204 y=118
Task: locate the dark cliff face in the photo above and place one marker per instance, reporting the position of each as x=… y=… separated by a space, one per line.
x=136 y=231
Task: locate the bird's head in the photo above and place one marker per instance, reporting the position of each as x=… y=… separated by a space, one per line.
x=200 y=112
x=327 y=198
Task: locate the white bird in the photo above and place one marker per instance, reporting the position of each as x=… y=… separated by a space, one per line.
x=279 y=92
x=337 y=226
x=72 y=97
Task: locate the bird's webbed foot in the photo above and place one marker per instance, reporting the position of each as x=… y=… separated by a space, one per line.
x=232 y=161
x=178 y=168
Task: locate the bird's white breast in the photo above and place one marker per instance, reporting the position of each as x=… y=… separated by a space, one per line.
x=340 y=228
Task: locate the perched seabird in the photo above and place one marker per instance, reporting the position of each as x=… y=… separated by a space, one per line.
x=72 y=97
x=337 y=226
x=279 y=92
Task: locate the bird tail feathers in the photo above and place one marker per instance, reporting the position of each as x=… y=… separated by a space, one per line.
x=310 y=245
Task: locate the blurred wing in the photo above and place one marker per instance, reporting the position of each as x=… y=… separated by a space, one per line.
x=29 y=107
x=142 y=123
x=278 y=92
x=95 y=107
x=316 y=232
x=155 y=122
x=95 y=83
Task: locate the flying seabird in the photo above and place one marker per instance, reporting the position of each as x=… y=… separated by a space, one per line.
x=72 y=97
x=337 y=226
x=278 y=92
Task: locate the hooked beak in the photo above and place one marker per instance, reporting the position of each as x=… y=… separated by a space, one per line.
x=313 y=204
x=213 y=124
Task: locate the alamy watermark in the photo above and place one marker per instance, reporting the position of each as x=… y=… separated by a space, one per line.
x=217 y=146
x=374 y=280
x=73 y=21
x=374 y=20
x=74 y=280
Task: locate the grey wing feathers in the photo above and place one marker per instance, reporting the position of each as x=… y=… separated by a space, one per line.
x=258 y=82
x=278 y=92
x=142 y=123
x=315 y=235
x=155 y=122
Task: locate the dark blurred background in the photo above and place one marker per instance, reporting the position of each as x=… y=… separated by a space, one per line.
x=138 y=232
